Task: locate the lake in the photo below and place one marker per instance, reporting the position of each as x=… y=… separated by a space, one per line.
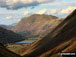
x=24 y=42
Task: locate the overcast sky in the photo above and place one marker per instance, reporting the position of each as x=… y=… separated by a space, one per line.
x=12 y=11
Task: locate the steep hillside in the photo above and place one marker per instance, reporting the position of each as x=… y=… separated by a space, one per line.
x=6 y=53
x=37 y=25
x=7 y=36
x=61 y=39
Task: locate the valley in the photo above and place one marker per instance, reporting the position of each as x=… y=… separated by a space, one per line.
x=37 y=34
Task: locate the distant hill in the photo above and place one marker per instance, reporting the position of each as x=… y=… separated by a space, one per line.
x=61 y=39
x=7 y=36
x=8 y=27
x=36 y=25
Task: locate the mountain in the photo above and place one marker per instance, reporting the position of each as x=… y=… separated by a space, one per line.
x=7 y=36
x=8 y=27
x=61 y=39
x=36 y=25
x=6 y=53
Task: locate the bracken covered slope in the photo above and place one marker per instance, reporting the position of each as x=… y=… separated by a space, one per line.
x=61 y=39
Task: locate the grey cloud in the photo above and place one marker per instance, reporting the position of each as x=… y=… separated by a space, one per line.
x=19 y=4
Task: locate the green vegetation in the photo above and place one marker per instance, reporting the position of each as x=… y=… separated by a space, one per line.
x=15 y=47
x=28 y=35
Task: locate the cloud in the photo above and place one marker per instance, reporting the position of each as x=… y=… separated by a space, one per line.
x=16 y=4
x=26 y=12
x=53 y=11
x=67 y=10
x=41 y=11
x=8 y=17
x=60 y=12
x=46 y=11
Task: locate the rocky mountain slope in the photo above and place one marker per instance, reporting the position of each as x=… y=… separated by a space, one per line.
x=61 y=39
x=7 y=36
x=37 y=25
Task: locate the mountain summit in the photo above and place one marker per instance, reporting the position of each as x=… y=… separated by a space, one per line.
x=34 y=22
x=37 y=25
